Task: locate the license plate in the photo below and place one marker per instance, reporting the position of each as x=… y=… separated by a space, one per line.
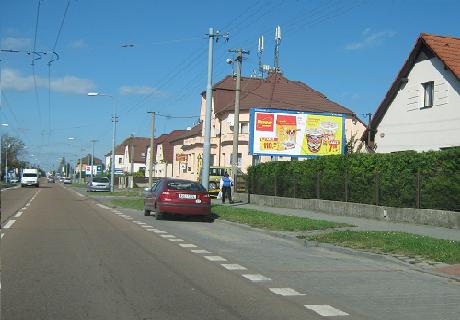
x=187 y=196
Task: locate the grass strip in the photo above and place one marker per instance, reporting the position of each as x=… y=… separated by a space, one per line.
x=271 y=221
x=137 y=204
x=117 y=193
x=407 y=244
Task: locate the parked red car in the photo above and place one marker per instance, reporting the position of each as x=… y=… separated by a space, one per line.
x=179 y=197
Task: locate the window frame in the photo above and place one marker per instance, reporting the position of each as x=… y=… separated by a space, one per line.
x=428 y=86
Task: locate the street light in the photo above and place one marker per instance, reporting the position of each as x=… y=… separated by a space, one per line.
x=114 y=120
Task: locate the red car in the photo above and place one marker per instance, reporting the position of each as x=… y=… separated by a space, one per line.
x=179 y=197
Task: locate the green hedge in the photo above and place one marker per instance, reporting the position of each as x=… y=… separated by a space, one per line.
x=395 y=179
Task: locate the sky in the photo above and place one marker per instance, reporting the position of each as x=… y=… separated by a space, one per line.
x=146 y=55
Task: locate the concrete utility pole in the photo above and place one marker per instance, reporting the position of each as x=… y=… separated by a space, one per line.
x=152 y=138
x=92 y=158
x=369 y=115
x=207 y=119
x=236 y=120
x=132 y=154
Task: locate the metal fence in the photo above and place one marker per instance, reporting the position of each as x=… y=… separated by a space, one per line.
x=438 y=190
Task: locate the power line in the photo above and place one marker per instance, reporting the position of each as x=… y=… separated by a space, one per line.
x=62 y=24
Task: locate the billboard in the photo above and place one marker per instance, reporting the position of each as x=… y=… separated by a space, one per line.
x=296 y=134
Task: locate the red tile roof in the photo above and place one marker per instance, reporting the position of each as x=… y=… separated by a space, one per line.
x=447 y=49
x=166 y=141
x=195 y=131
x=275 y=92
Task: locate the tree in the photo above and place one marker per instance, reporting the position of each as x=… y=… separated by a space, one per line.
x=12 y=149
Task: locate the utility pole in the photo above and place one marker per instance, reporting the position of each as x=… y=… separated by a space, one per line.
x=236 y=120
x=207 y=119
x=92 y=158
x=132 y=154
x=112 y=162
x=369 y=115
x=152 y=138
x=6 y=162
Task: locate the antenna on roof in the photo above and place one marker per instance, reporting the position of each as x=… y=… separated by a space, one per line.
x=277 y=48
x=260 y=52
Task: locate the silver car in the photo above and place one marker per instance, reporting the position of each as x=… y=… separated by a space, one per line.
x=98 y=184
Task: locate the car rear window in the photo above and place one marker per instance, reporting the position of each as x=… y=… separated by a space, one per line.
x=185 y=185
x=29 y=175
x=104 y=180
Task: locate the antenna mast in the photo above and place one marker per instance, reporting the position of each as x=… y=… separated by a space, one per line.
x=277 y=48
x=260 y=51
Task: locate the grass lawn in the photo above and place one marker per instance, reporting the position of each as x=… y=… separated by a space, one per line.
x=130 y=193
x=77 y=185
x=411 y=245
x=266 y=220
x=137 y=204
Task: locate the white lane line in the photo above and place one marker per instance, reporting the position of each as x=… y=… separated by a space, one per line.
x=233 y=266
x=139 y=222
x=128 y=218
x=18 y=214
x=118 y=213
x=8 y=224
x=167 y=236
x=159 y=231
x=200 y=251
x=147 y=226
x=28 y=204
x=187 y=245
x=326 y=310
x=286 y=292
x=102 y=206
x=215 y=258
x=256 y=277
x=176 y=240
x=2 y=235
x=153 y=230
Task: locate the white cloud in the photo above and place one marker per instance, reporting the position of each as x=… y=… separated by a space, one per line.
x=78 y=44
x=141 y=90
x=15 y=81
x=16 y=43
x=370 y=39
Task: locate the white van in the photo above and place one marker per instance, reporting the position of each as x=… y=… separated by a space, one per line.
x=30 y=177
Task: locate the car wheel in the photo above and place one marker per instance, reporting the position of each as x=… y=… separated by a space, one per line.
x=146 y=212
x=159 y=215
x=212 y=186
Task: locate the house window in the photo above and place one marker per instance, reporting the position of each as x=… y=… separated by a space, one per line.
x=428 y=92
x=120 y=160
x=244 y=127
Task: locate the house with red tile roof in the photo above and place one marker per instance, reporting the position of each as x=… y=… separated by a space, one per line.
x=273 y=92
x=130 y=155
x=119 y=155
x=163 y=154
x=421 y=110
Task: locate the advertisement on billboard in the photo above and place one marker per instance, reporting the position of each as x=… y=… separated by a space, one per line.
x=296 y=134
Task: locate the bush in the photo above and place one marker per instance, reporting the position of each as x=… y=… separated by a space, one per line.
x=383 y=179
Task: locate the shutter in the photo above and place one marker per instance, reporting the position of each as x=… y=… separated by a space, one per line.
x=441 y=93
x=413 y=98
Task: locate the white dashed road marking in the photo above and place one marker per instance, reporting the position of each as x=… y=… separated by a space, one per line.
x=159 y=231
x=167 y=236
x=8 y=224
x=187 y=245
x=2 y=235
x=215 y=258
x=18 y=214
x=230 y=266
x=326 y=310
x=200 y=251
x=175 y=240
x=256 y=277
x=139 y=222
x=147 y=226
x=152 y=230
x=286 y=292
x=102 y=206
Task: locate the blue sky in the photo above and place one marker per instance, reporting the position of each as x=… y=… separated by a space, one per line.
x=349 y=50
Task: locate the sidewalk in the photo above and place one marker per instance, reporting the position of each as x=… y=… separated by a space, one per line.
x=362 y=224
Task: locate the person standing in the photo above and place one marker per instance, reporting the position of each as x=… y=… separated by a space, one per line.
x=226 y=184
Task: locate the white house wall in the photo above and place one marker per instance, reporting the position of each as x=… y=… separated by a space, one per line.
x=406 y=126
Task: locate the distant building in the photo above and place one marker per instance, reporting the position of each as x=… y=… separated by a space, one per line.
x=421 y=110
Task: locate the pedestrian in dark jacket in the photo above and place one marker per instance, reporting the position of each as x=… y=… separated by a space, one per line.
x=226 y=184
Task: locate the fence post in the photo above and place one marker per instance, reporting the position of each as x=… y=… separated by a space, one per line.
x=318 y=177
x=418 y=191
x=346 y=186
x=377 y=188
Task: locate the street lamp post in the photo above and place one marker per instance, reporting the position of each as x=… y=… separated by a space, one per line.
x=3 y=125
x=80 y=159
x=114 y=120
x=6 y=162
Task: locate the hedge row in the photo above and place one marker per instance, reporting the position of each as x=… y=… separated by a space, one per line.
x=405 y=179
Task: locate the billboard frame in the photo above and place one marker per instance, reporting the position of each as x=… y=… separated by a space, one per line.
x=252 y=114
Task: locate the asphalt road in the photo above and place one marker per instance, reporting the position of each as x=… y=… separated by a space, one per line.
x=13 y=199
x=68 y=257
